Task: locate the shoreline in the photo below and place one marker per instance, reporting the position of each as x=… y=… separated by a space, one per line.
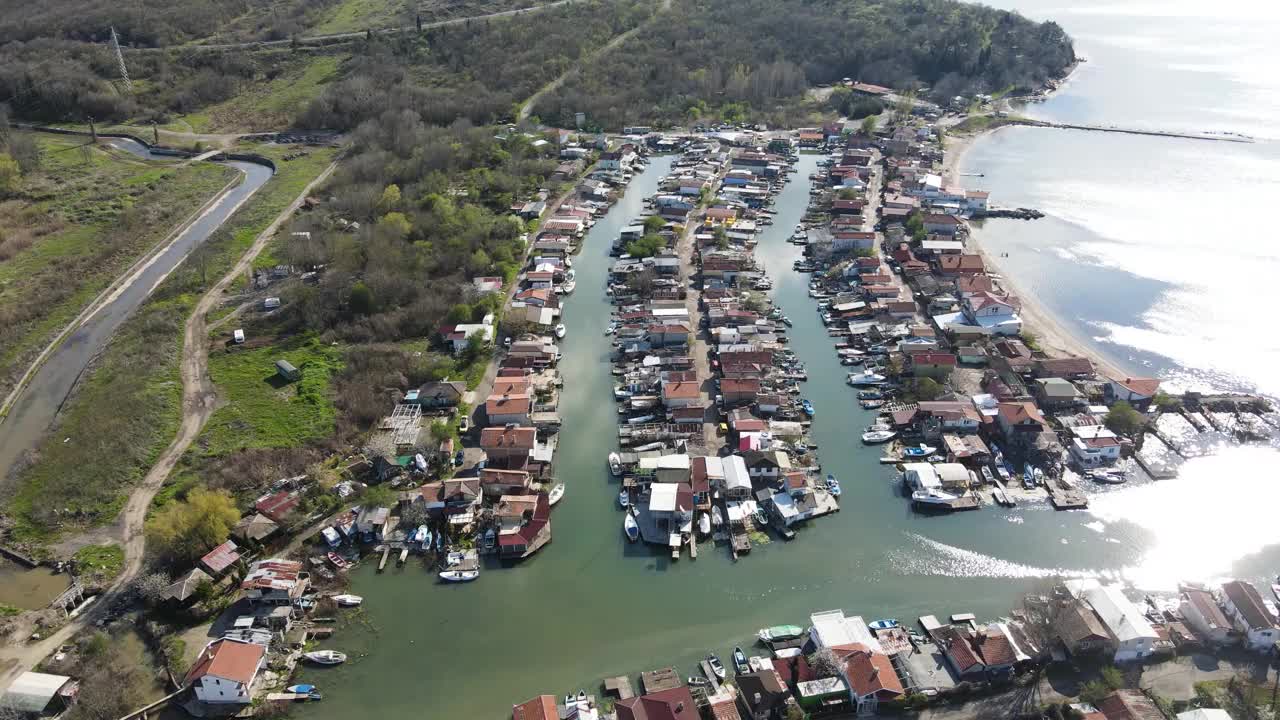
x=1052 y=336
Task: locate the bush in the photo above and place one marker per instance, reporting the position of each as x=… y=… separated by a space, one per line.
x=1123 y=419
x=184 y=531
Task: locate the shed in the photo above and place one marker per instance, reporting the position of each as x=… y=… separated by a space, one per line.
x=286 y=370
x=38 y=693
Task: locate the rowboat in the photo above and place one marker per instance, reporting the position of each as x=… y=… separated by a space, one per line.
x=348 y=600
x=338 y=561
x=556 y=493
x=717 y=667
x=459 y=576
x=740 y=661
x=630 y=527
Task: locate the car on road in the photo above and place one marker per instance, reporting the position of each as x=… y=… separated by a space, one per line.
x=458 y=459
x=464 y=424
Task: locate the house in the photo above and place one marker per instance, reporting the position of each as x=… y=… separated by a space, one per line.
x=1132 y=634
x=1054 y=393
x=1204 y=714
x=1070 y=368
x=1136 y=391
x=279 y=507
x=869 y=676
x=672 y=704
x=762 y=694
x=674 y=334
x=1080 y=630
x=459 y=335
x=223 y=674
x=947 y=416
x=508 y=409
x=274 y=582
x=744 y=390
x=371 y=523
x=1093 y=445
x=182 y=592
x=1020 y=418
x=542 y=707
x=736 y=478
x=495 y=482
x=533 y=531
x=960 y=655
x=765 y=467
x=941 y=224
x=1200 y=611
x=961 y=265
x=444 y=394
x=220 y=559
x=932 y=364
x=1129 y=705
x=680 y=394
x=992 y=313
x=1242 y=604
x=509 y=446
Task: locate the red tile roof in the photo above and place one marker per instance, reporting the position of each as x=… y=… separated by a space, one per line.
x=994 y=648
x=228 y=659
x=1139 y=386
x=680 y=390
x=517 y=438
x=673 y=704
x=508 y=405
x=542 y=707
x=870 y=673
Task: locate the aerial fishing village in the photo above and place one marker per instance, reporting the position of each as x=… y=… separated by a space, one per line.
x=714 y=451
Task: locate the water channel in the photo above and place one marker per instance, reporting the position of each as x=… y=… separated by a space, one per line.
x=36 y=407
x=590 y=605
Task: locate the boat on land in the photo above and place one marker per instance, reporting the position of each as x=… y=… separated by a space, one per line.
x=780 y=633
x=347 y=600
x=325 y=657
x=630 y=527
x=875 y=437
x=338 y=561
x=987 y=477
x=1108 y=477
x=615 y=464
x=561 y=330
x=556 y=494
x=459 y=576
x=740 y=661
x=717 y=667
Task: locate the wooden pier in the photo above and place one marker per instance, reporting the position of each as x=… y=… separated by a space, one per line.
x=1067 y=499
x=382 y=562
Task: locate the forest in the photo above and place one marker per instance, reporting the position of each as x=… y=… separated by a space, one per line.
x=752 y=58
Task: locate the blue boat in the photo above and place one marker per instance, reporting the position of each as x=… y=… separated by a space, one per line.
x=918 y=451
x=1028 y=476
x=807 y=407
x=833 y=485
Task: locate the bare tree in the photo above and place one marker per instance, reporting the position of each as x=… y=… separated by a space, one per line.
x=150 y=587
x=825 y=663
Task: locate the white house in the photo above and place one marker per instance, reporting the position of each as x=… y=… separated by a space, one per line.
x=737 y=480
x=992 y=313
x=1093 y=445
x=1133 y=390
x=1134 y=637
x=1249 y=615
x=831 y=628
x=1202 y=614
x=223 y=675
x=921 y=476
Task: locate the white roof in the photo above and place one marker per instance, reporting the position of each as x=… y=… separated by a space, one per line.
x=1121 y=617
x=950 y=472
x=662 y=497
x=921 y=476
x=831 y=628
x=665 y=462
x=32 y=691
x=735 y=473
x=715 y=467
x=942 y=245
x=1090 y=432
x=785 y=505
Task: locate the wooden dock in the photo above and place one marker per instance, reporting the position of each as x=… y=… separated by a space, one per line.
x=404 y=555
x=382 y=562
x=1067 y=499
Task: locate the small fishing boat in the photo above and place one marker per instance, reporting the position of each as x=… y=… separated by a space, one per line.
x=338 y=561
x=883 y=624
x=568 y=287
x=704 y=524
x=870 y=395
x=454 y=559
x=740 y=661
x=615 y=464
x=347 y=600
x=865 y=378
x=624 y=499
x=987 y=477
x=556 y=494
x=833 y=485
x=695 y=681
x=1108 y=477
x=611 y=329
x=779 y=633
x=717 y=667
x=582 y=696
x=717 y=517
x=872 y=404
x=806 y=407
x=760 y=518
x=786 y=321
x=325 y=657
x=561 y=330
x=918 y=451
x=875 y=437
x=459 y=576
x=630 y=527
x=310 y=691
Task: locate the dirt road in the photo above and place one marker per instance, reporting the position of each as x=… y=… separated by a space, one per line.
x=198 y=402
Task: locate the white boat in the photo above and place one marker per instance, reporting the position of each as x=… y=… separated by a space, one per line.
x=611 y=329
x=630 y=527
x=624 y=499
x=454 y=559
x=878 y=436
x=459 y=576
x=932 y=497
x=561 y=331
x=325 y=657
x=704 y=524
x=615 y=464
x=866 y=378
x=556 y=494
x=348 y=600
x=717 y=517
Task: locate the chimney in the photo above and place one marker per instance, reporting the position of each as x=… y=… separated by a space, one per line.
x=679 y=707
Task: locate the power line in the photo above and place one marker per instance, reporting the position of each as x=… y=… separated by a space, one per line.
x=124 y=71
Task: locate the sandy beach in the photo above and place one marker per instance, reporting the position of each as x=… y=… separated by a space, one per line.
x=1052 y=337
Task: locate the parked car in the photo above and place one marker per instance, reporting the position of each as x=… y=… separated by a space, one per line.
x=464 y=424
x=458 y=459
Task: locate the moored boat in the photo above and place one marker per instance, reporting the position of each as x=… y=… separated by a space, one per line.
x=704 y=524
x=695 y=681
x=874 y=437
x=561 y=330
x=833 y=485
x=459 y=576
x=325 y=657
x=883 y=624
x=780 y=633
x=348 y=600
x=717 y=667
x=556 y=494
x=630 y=527
x=624 y=499
x=740 y=661
x=717 y=517
x=865 y=378
x=338 y=561
x=615 y=464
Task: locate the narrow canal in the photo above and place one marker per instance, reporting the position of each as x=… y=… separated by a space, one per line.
x=590 y=605
x=36 y=407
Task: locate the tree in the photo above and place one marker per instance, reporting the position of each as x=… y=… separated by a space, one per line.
x=149 y=587
x=721 y=237
x=395 y=223
x=380 y=445
x=10 y=175
x=847 y=193
x=654 y=224
x=647 y=246
x=1122 y=419
x=868 y=127
x=378 y=496
x=927 y=389
x=1112 y=677
x=324 y=475
x=188 y=529
x=1094 y=691
x=361 y=299
x=390 y=198
x=824 y=663
x=1165 y=401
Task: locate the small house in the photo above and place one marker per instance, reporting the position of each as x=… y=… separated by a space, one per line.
x=286 y=370
x=1249 y=615
x=224 y=673
x=220 y=559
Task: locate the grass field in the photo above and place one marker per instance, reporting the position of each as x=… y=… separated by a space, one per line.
x=129 y=406
x=261 y=409
x=356 y=15
x=100 y=562
x=271 y=104
x=88 y=214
